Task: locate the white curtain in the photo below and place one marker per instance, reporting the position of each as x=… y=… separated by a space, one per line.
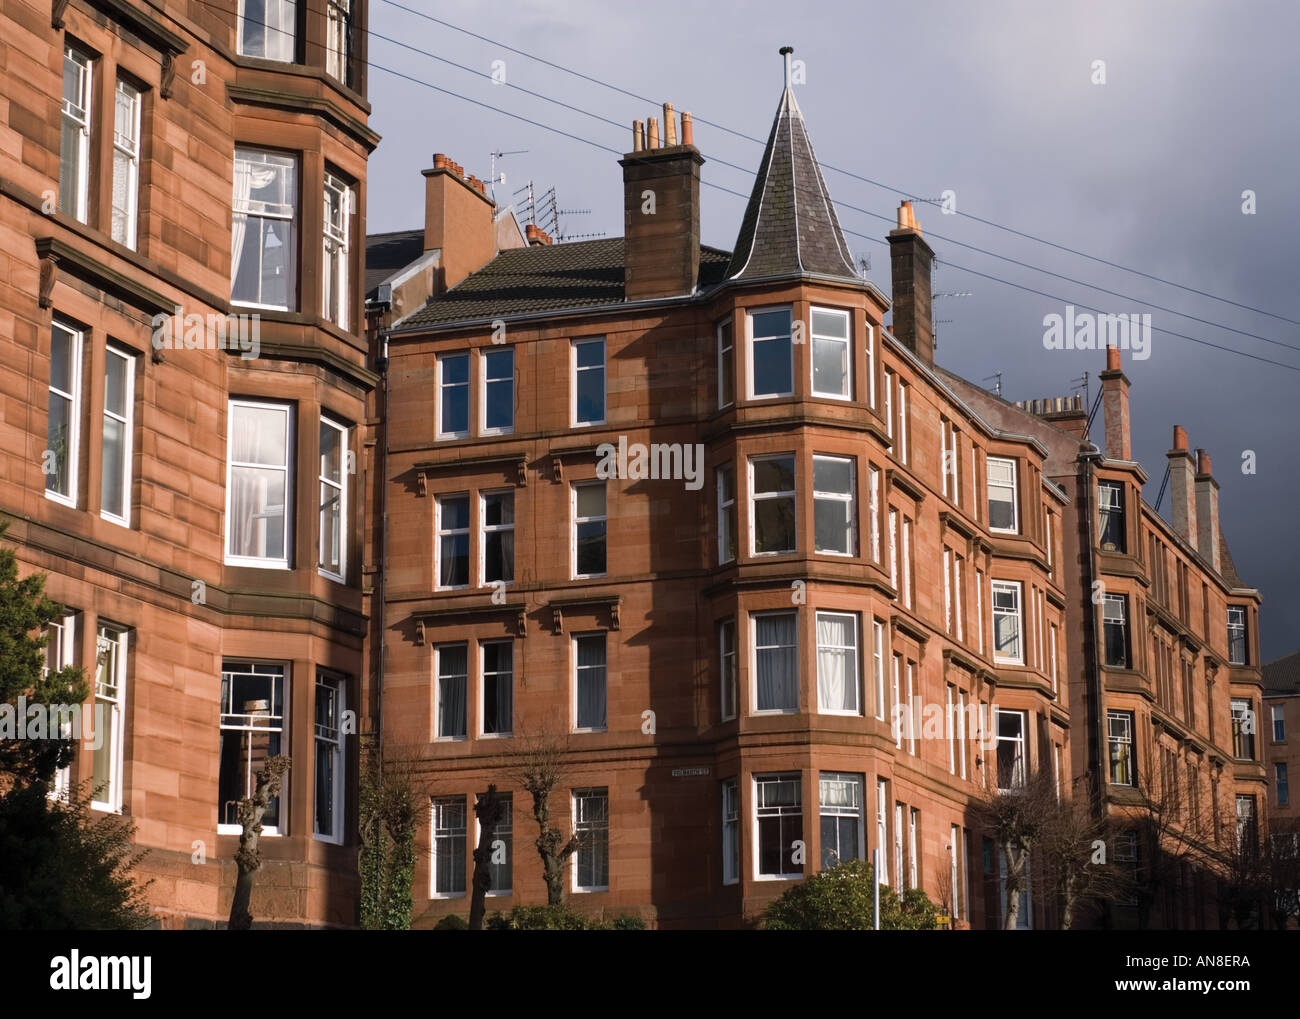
x=778 y=685
x=834 y=660
x=249 y=177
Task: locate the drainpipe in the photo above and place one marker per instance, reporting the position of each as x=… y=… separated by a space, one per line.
x=1092 y=661
x=381 y=366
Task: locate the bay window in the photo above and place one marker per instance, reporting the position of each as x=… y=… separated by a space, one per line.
x=331 y=771
x=834 y=510
x=776 y=661
x=268 y=29
x=842 y=835
x=772 y=509
x=336 y=272
x=778 y=809
x=1011 y=749
x=1007 y=623
x=771 y=354
x=259 y=486
x=332 y=560
x=264 y=230
x=1004 y=512
x=252 y=726
x=837 y=663
x=832 y=359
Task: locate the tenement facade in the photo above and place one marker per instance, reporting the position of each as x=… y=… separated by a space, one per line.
x=182 y=186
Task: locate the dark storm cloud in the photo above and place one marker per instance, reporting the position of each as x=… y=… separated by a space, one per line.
x=994 y=101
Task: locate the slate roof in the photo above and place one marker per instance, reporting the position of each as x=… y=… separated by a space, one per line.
x=1227 y=568
x=790 y=226
x=556 y=277
x=387 y=253
x=1283 y=676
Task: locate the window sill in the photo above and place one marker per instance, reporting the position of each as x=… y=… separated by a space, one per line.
x=589 y=891
x=62 y=500
x=258 y=564
x=119 y=521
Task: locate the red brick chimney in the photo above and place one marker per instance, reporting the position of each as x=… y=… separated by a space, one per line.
x=1114 y=407
x=1207 y=510
x=661 y=210
x=910 y=259
x=1182 y=496
x=457 y=220
x=537 y=236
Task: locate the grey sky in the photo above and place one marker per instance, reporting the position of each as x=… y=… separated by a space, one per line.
x=992 y=100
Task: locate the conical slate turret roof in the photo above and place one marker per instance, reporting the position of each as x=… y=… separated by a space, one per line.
x=790 y=227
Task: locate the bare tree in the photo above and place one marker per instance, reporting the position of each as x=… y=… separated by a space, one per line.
x=1072 y=858
x=488 y=809
x=249 y=857
x=1171 y=830
x=1015 y=819
x=538 y=766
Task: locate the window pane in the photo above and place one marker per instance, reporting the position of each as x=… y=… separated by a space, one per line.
x=112 y=489
x=257 y=512
x=498 y=687
x=499 y=376
x=591 y=690
x=775 y=656
x=499 y=537
x=260 y=436
x=452 y=678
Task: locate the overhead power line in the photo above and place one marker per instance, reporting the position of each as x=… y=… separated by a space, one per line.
x=854 y=233
x=840 y=170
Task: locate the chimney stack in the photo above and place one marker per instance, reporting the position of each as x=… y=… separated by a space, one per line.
x=457 y=220
x=910 y=259
x=537 y=236
x=1114 y=407
x=1207 y=511
x=1183 y=507
x=661 y=211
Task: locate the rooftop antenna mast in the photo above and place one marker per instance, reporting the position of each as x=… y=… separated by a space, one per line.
x=494 y=180
x=936 y=295
x=997 y=388
x=530 y=204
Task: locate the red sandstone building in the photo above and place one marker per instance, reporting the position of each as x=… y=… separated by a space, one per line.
x=196 y=503
x=689 y=510
x=698 y=515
